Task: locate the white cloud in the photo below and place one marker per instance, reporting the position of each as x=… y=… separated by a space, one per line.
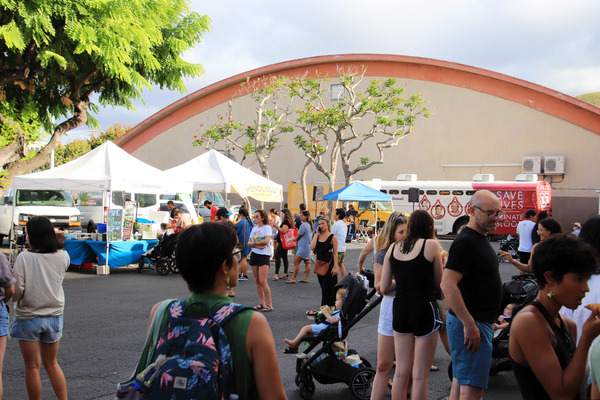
x=552 y=42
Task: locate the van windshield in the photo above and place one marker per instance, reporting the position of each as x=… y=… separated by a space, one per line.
x=217 y=198
x=44 y=198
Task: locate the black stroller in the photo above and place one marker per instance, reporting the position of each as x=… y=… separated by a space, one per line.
x=510 y=244
x=323 y=364
x=521 y=290
x=162 y=256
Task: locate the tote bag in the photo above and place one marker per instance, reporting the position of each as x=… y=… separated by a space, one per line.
x=287 y=238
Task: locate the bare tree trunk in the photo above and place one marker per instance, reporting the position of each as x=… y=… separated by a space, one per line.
x=303 y=181
x=22 y=167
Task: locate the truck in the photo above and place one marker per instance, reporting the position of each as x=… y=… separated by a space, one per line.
x=448 y=201
x=56 y=205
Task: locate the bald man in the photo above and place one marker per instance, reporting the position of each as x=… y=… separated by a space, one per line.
x=472 y=285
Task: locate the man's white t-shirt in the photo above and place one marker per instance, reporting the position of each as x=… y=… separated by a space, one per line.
x=524 y=230
x=340 y=230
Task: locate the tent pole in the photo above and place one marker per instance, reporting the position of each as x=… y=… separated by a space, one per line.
x=11 y=232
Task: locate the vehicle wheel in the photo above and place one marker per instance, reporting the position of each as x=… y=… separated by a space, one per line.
x=362 y=383
x=298 y=379
x=307 y=389
x=162 y=267
x=91 y=227
x=174 y=268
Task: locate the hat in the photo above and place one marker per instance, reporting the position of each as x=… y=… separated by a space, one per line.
x=530 y=213
x=221 y=212
x=577 y=224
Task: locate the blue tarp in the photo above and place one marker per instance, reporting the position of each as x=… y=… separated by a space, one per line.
x=121 y=253
x=357 y=191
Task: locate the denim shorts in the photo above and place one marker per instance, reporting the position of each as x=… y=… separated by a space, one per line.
x=44 y=329
x=469 y=367
x=3 y=319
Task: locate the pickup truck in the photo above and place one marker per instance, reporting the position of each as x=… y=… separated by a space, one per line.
x=57 y=205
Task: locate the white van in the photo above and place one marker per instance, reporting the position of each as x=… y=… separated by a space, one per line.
x=57 y=205
x=93 y=209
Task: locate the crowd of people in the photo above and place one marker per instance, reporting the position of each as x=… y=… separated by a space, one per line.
x=549 y=340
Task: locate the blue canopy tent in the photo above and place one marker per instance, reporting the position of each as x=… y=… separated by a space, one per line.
x=357 y=191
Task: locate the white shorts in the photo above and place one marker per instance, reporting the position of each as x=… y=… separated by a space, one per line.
x=386 y=316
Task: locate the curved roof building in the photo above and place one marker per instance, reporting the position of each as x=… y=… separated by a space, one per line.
x=480 y=122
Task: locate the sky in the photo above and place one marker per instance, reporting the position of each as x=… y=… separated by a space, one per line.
x=552 y=43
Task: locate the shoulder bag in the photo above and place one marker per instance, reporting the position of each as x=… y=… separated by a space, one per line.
x=287 y=239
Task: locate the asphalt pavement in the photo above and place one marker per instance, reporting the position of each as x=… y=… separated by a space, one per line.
x=106 y=319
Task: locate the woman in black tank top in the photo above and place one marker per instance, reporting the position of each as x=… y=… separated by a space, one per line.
x=545 y=361
x=416 y=265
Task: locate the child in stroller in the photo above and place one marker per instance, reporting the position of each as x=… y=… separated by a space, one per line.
x=162 y=256
x=331 y=317
x=333 y=362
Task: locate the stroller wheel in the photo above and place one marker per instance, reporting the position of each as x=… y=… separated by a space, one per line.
x=298 y=379
x=162 y=267
x=307 y=389
x=362 y=383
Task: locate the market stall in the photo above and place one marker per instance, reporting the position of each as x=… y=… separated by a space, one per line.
x=212 y=171
x=107 y=167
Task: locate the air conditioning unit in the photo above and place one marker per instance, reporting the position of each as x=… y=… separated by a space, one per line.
x=526 y=178
x=554 y=165
x=483 y=178
x=407 y=177
x=531 y=165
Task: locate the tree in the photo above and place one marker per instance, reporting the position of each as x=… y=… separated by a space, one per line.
x=273 y=108
x=61 y=59
x=78 y=147
x=377 y=114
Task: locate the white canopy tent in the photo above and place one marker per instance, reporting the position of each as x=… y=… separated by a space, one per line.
x=212 y=171
x=107 y=167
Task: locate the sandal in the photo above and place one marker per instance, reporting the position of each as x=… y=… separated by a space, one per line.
x=259 y=307
x=267 y=309
x=290 y=350
x=284 y=276
x=290 y=281
x=275 y=278
x=303 y=281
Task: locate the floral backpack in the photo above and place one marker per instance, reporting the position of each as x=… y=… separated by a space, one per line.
x=192 y=359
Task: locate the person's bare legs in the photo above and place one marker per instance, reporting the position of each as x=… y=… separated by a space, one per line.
x=342 y=270
x=465 y=392
x=261 y=295
x=405 y=351
x=424 y=353
x=294 y=344
x=33 y=363
x=3 y=340
x=385 y=362
x=262 y=284
x=244 y=265
x=306 y=269
x=296 y=268
x=49 y=353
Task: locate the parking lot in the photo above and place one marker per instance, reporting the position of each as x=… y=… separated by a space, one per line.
x=106 y=319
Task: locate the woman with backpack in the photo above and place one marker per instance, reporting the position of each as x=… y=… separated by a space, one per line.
x=243 y=228
x=208 y=260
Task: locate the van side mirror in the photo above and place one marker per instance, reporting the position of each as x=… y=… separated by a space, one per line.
x=7 y=200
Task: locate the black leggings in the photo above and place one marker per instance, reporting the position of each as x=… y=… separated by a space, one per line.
x=280 y=254
x=328 y=283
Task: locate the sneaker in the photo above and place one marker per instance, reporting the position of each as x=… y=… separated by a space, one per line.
x=242 y=278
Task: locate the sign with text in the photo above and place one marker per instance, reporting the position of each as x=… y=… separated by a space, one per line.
x=114 y=225
x=128 y=220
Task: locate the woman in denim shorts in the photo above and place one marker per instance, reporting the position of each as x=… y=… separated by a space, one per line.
x=7 y=281
x=40 y=300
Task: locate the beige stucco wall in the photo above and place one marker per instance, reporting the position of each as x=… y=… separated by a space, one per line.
x=465 y=127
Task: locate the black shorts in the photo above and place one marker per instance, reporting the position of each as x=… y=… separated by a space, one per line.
x=416 y=317
x=259 y=260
